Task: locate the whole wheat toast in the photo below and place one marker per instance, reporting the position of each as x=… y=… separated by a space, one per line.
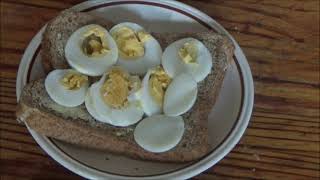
x=77 y=126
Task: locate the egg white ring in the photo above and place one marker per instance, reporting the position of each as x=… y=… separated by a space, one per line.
x=152 y=55
x=159 y=133
x=91 y=108
x=118 y=117
x=174 y=66
x=149 y=105
x=180 y=95
x=92 y=66
x=59 y=94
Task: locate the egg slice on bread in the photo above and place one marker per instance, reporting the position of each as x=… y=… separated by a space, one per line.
x=111 y=99
x=187 y=55
x=67 y=87
x=159 y=133
x=138 y=50
x=91 y=50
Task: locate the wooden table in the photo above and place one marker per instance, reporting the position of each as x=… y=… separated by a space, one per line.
x=281 y=41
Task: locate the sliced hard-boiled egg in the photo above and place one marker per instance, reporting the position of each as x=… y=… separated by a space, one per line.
x=154 y=85
x=159 y=133
x=66 y=87
x=91 y=107
x=91 y=50
x=112 y=99
x=180 y=95
x=138 y=50
x=187 y=55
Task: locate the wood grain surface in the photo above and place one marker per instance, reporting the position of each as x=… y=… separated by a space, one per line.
x=281 y=41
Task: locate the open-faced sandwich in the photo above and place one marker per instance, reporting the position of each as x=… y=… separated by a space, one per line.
x=123 y=89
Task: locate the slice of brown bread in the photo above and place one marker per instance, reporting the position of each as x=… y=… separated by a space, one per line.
x=57 y=33
x=75 y=125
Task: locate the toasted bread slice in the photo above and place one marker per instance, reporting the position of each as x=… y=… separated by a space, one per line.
x=57 y=33
x=77 y=126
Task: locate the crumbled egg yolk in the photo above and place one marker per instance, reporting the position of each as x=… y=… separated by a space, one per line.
x=73 y=80
x=115 y=89
x=130 y=43
x=143 y=36
x=117 y=86
x=158 y=83
x=94 y=43
x=188 y=53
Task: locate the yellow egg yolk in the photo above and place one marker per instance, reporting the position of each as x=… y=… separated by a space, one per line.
x=117 y=87
x=130 y=43
x=73 y=80
x=143 y=36
x=95 y=43
x=158 y=83
x=188 y=53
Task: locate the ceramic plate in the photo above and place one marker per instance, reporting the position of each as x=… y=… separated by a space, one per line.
x=227 y=121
